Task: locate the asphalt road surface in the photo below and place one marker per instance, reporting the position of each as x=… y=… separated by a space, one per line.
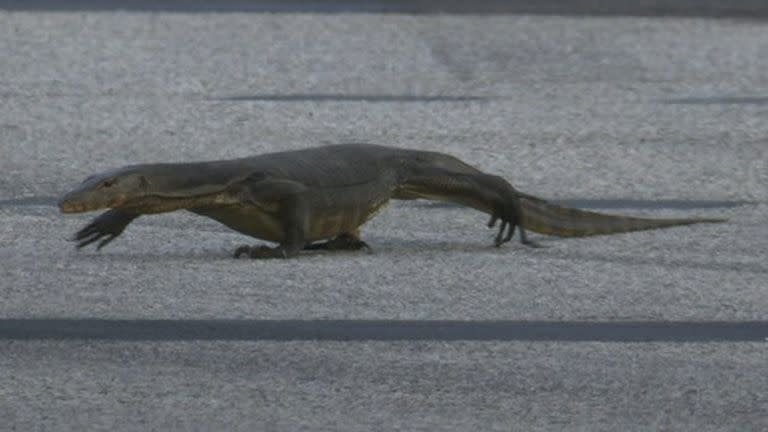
x=436 y=329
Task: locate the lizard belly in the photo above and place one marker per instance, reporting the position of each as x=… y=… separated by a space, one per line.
x=249 y=220
x=327 y=223
x=343 y=209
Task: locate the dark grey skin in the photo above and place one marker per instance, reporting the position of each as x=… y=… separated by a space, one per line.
x=318 y=198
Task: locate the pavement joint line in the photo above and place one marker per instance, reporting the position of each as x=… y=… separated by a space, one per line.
x=717 y=100
x=745 y=9
x=353 y=330
x=341 y=97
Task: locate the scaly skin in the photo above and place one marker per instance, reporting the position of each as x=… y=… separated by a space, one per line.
x=298 y=198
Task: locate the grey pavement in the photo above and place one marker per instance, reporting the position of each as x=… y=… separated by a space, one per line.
x=436 y=330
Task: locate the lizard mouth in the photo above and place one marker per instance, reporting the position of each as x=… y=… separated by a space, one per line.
x=72 y=205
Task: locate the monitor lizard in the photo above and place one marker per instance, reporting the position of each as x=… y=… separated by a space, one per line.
x=317 y=198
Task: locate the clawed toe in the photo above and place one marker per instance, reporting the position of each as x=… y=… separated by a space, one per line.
x=506 y=231
x=103 y=229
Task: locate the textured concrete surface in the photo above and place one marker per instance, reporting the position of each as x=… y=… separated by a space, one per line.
x=649 y=116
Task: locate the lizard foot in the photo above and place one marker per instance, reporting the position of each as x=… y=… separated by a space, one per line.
x=501 y=238
x=260 y=252
x=107 y=227
x=345 y=241
x=508 y=225
x=533 y=244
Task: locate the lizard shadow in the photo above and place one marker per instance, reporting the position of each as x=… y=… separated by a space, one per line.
x=381 y=246
x=388 y=246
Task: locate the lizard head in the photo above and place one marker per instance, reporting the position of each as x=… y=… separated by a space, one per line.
x=110 y=189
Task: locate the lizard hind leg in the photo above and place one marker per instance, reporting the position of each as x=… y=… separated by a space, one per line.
x=488 y=193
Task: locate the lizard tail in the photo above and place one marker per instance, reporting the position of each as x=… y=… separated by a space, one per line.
x=551 y=219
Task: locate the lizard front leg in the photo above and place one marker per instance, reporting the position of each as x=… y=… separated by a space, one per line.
x=105 y=227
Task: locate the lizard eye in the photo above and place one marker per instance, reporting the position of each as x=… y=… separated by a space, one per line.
x=108 y=183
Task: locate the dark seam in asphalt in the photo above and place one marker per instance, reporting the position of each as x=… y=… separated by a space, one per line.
x=28 y=201
x=718 y=100
x=381 y=330
x=746 y=9
x=331 y=97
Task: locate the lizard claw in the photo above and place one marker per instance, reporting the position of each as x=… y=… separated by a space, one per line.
x=108 y=226
x=507 y=210
x=492 y=222
x=501 y=237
